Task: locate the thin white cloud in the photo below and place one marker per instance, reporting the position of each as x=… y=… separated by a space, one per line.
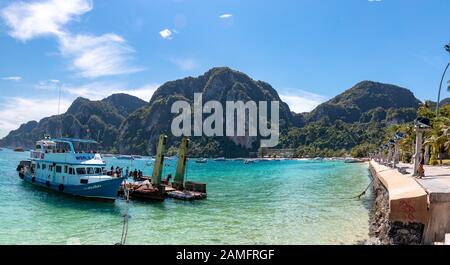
x=15 y=111
x=185 y=64
x=144 y=93
x=12 y=78
x=28 y=20
x=95 y=56
x=301 y=101
x=90 y=55
x=100 y=90
x=224 y=16
x=166 y=34
x=374 y=0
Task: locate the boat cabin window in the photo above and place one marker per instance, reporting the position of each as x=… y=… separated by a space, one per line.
x=65 y=169
x=50 y=168
x=90 y=171
x=58 y=169
x=82 y=147
x=71 y=171
x=98 y=170
x=44 y=166
x=39 y=166
x=62 y=147
x=81 y=171
x=49 y=148
x=38 y=147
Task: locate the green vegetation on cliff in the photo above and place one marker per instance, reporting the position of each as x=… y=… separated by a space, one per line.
x=352 y=122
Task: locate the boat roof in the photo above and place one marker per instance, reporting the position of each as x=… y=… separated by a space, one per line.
x=75 y=140
x=46 y=142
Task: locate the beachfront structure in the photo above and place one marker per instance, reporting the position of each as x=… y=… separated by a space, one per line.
x=390 y=155
x=420 y=125
x=397 y=138
x=272 y=152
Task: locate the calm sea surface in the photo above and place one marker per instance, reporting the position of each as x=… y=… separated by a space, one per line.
x=277 y=202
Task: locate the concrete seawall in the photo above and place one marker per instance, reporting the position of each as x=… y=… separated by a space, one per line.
x=400 y=207
x=408 y=210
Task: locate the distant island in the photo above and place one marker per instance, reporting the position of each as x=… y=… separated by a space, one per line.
x=353 y=122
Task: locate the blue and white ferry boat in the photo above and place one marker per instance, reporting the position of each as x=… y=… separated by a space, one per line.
x=70 y=166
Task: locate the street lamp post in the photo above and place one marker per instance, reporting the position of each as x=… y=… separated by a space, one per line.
x=390 y=156
x=420 y=125
x=447 y=48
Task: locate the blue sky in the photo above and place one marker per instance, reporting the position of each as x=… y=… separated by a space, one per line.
x=309 y=50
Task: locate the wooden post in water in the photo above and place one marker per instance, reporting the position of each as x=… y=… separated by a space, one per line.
x=178 y=182
x=159 y=162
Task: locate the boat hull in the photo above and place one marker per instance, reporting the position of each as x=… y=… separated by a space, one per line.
x=103 y=190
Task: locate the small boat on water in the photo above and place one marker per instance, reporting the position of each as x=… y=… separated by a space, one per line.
x=172 y=158
x=19 y=149
x=125 y=157
x=353 y=160
x=249 y=161
x=136 y=157
x=201 y=161
x=220 y=159
x=143 y=190
x=70 y=166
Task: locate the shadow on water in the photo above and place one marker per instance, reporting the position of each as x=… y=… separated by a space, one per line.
x=62 y=200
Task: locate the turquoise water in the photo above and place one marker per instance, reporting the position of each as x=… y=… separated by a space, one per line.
x=277 y=202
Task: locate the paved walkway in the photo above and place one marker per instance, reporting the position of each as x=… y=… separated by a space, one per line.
x=436 y=181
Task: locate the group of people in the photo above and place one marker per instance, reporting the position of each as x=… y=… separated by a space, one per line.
x=118 y=172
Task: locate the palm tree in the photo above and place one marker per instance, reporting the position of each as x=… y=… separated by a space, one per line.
x=439 y=138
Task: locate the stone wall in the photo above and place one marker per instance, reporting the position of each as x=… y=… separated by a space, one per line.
x=384 y=232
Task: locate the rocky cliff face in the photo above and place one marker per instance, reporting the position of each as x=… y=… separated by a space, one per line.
x=362 y=100
x=218 y=84
x=98 y=120
x=356 y=117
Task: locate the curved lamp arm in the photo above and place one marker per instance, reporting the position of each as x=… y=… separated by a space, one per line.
x=440 y=88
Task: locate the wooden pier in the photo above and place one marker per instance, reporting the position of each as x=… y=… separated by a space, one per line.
x=155 y=189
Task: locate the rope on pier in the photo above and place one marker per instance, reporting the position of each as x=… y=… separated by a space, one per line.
x=123 y=240
x=364 y=192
